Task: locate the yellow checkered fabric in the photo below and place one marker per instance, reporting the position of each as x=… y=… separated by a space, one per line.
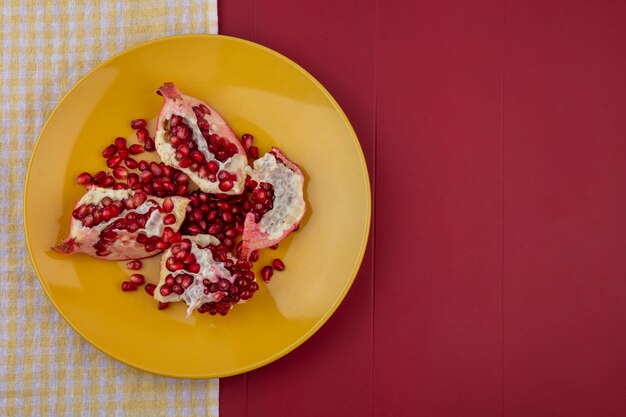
x=46 y=369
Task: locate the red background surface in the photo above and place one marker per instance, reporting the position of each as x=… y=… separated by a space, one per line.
x=495 y=279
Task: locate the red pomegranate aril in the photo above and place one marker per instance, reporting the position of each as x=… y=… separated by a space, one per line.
x=109 y=151
x=193 y=268
x=165 y=291
x=162 y=245
x=266 y=273
x=226 y=185
x=120 y=172
x=254 y=152
x=254 y=256
x=177 y=289
x=185 y=163
x=175 y=120
x=169 y=219
x=142 y=134
x=120 y=143
x=278 y=264
x=223 y=175
x=156 y=169
x=163 y=306
x=134 y=265
x=143 y=165
x=150 y=289
x=194 y=229
x=131 y=163
x=149 y=145
x=186 y=281
x=84 y=179
x=135 y=149
x=189 y=259
x=129 y=286
x=146 y=176
x=138 y=124
x=113 y=161
x=99 y=177
x=137 y=279
x=168 y=205
x=170 y=280
x=108 y=182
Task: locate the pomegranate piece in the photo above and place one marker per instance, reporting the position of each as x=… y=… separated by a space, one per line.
x=200 y=271
x=277 y=187
x=193 y=137
x=121 y=224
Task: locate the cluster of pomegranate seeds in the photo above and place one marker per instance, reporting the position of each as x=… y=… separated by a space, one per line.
x=262 y=198
x=219 y=215
x=227 y=294
x=188 y=155
x=158 y=179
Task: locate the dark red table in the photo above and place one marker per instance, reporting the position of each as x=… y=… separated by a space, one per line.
x=495 y=279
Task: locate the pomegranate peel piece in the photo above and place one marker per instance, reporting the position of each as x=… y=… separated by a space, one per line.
x=278 y=202
x=121 y=224
x=194 y=138
x=190 y=273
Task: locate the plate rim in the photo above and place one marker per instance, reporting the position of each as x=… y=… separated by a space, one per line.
x=358 y=261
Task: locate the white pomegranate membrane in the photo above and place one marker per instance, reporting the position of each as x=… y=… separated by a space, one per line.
x=195 y=139
x=140 y=209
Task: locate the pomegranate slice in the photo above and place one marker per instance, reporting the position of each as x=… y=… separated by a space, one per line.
x=123 y=224
x=277 y=186
x=193 y=137
x=201 y=272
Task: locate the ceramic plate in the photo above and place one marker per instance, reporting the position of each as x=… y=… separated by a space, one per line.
x=257 y=91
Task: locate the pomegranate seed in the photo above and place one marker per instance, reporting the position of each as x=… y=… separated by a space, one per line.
x=163 y=306
x=226 y=185
x=170 y=280
x=131 y=163
x=113 y=161
x=266 y=273
x=254 y=152
x=146 y=176
x=120 y=143
x=165 y=291
x=169 y=219
x=175 y=120
x=278 y=265
x=108 y=182
x=135 y=149
x=134 y=265
x=143 y=165
x=177 y=289
x=109 y=151
x=120 y=172
x=193 y=268
x=138 y=124
x=84 y=179
x=137 y=279
x=274 y=247
x=129 y=286
x=254 y=256
x=142 y=134
x=149 y=145
x=150 y=289
x=168 y=205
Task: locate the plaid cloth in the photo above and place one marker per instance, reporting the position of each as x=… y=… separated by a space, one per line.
x=45 y=367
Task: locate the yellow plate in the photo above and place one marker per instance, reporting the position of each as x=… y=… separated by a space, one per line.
x=258 y=91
